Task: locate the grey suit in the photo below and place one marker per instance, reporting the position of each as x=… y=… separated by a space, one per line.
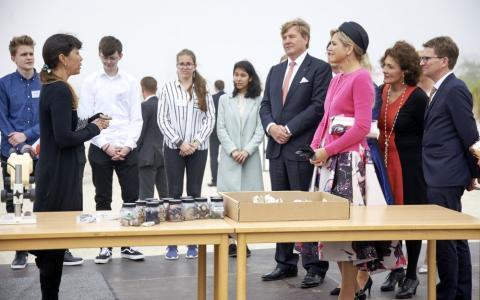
x=151 y=167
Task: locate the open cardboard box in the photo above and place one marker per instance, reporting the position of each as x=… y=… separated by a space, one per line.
x=240 y=207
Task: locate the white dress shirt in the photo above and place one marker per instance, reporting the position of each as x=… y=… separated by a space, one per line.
x=180 y=118
x=118 y=97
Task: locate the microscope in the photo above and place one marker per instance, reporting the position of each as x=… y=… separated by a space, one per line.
x=19 y=167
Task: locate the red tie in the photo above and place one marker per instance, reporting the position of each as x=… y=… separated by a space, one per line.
x=286 y=83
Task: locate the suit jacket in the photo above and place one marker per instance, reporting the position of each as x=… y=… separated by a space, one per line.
x=150 y=143
x=303 y=108
x=449 y=130
x=241 y=135
x=215 y=98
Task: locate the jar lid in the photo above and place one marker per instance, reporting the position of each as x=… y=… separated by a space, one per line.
x=175 y=201
x=128 y=205
x=152 y=204
x=216 y=199
x=166 y=199
x=141 y=202
x=201 y=199
x=188 y=200
x=186 y=197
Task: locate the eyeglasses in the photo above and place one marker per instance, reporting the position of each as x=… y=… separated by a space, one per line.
x=427 y=58
x=185 y=65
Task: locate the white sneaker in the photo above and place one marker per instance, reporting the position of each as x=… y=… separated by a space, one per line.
x=423 y=269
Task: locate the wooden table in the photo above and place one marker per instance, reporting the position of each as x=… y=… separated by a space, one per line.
x=58 y=230
x=409 y=222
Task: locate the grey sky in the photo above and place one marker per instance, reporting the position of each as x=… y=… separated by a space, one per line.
x=223 y=32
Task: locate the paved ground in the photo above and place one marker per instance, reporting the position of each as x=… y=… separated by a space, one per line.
x=257 y=265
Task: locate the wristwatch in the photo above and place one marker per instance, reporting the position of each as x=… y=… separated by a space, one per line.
x=179 y=143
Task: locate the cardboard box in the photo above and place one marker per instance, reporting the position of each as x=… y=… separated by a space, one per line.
x=240 y=207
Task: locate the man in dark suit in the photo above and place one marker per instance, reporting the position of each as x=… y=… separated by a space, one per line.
x=291 y=110
x=214 y=142
x=448 y=166
x=151 y=169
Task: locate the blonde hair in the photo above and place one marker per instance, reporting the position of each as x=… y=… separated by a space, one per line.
x=360 y=55
x=302 y=26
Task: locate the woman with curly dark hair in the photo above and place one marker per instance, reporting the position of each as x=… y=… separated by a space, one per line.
x=401 y=131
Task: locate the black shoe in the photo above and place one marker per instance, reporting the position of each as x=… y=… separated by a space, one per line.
x=131 y=253
x=104 y=256
x=335 y=291
x=395 y=276
x=70 y=260
x=212 y=184
x=248 y=252
x=20 y=261
x=408 y=289
x=278 y=274
x=311 y=280
x=368 y=286
x=360 y=295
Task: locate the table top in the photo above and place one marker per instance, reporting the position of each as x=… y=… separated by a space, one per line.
x=372 y=218
x=64 y=224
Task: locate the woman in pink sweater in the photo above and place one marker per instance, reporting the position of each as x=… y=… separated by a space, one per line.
x=342 y=157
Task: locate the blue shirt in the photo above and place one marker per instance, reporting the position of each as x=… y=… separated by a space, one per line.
x=19 y=99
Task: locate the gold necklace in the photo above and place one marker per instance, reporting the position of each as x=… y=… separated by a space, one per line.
x=386 y=134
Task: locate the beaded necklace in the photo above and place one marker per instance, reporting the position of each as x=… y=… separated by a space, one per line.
x=385 y=132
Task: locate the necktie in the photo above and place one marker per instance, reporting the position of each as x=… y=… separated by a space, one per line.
x=430 y=97
x=286 y=83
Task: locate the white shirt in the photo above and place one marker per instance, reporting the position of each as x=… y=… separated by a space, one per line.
x=118 y=97
x=180 y=117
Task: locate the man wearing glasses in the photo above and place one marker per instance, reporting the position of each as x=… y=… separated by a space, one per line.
x=449 y=133
x=116 y=94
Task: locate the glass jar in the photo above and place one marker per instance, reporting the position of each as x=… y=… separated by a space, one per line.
x=139 y=212
x=166 y=204
x=203 y=209
x=152 y=212
x=188 y=209
x=127 y=214
x=175 y=210
x=217 y=210
x=162 y=213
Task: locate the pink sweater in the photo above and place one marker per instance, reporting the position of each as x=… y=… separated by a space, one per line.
x=351 y=95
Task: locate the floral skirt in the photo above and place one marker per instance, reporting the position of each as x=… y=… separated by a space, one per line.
x=345 y=175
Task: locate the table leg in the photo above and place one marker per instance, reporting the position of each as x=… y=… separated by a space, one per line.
x=241 y=267
x=202 y=272
x=432 y=269
x=223 y=269
x=216 y=250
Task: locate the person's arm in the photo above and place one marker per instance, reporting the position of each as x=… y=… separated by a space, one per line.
x=362 y=92
x=61 y=115
x=135 y=116
x=266 y=106
x=311 y=115
x=163 y=118
x=257 y=137
x=222 y=133
x=146 y=115
x=208 y=121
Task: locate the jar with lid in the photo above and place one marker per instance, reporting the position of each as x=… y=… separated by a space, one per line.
x=188 y=209
x=139 y=212
x=127 y=214
x=162 y=214
x=203 y=209
x=152 y=212
x=216 y=208
x=175 y=210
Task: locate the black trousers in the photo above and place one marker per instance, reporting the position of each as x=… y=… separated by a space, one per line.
x=213 y=149
x=150 y=177
x=453 y=256
x=102 y=177
x=288 y=175
x=9 y=203
x=176 y=165
x=50 y=266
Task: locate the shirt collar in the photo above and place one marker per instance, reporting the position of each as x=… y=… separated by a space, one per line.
x=178 y=84
x=149 y=97
x=20 y=76
x=441 y=80
x=103 y=73
x=299 y=59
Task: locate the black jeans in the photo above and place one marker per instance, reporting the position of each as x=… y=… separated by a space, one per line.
x=213 y=149
x=50 y=266
x=176 y=165
x=102 y=177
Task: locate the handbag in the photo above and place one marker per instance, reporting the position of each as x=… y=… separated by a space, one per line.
x=340 y=124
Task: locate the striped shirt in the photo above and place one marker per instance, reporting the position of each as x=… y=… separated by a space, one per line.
x=180 y=118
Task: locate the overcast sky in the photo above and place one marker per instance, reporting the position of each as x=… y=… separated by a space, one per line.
x=223 y=32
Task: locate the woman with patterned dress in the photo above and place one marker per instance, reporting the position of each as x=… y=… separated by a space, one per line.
x=401 y=132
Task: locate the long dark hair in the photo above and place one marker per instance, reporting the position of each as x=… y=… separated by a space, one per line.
x=54 y=46
x=254 y=88
x=199 y=83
